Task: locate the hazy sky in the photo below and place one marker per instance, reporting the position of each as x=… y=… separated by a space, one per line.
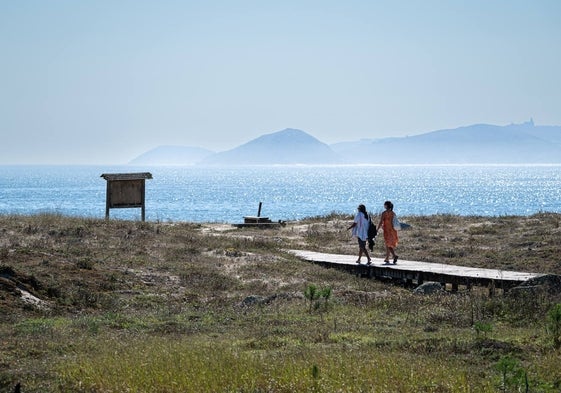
x=100 y=82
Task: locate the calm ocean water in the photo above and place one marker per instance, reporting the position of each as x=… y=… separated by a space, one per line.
x=288 y=193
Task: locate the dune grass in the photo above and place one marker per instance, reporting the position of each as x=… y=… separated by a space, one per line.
x=179 y=307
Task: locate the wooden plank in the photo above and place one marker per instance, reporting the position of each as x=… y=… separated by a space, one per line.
x=427 y=268
x=256 y=219
x=259 y=225
x=126 y=176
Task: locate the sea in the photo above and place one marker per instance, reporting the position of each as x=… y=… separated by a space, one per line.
x=286 y=193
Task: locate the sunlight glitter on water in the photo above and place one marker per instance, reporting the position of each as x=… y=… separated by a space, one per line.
x=288 y=193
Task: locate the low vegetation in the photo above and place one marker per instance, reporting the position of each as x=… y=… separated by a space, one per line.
x=92 y=305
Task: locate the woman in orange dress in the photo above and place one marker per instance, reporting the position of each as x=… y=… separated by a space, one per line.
x=390 y=234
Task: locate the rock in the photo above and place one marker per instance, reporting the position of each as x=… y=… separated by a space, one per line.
x=550 y=283
x=252 y=300
x=429 y=288
x=7 y=285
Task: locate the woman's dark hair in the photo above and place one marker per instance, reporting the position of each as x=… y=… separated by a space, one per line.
x=362 y=209
x=388 y=204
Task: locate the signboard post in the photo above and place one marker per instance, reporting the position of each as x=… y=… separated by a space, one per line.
x=125 y=190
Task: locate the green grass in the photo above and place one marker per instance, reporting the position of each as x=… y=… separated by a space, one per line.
x=165 y=365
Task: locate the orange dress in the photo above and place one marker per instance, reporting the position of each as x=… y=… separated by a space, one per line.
x=390 y=234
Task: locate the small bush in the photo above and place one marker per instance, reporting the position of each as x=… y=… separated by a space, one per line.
x=554 y=325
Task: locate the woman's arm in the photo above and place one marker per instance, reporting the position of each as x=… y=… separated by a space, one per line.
x=381 y=223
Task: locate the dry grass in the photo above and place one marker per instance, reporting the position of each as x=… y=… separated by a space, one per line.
x=187 y=307
x=530 y=243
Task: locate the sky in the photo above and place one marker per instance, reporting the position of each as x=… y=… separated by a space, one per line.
x=99 y=82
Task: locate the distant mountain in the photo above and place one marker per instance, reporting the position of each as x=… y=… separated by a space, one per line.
x=287 y=147
x=477 y=144
x=172 y=155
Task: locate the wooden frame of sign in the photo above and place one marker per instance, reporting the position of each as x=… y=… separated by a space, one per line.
x=125 y=190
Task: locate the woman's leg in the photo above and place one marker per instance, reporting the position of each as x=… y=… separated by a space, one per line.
x=365 y=251
x=394 y=255
x=362 y=250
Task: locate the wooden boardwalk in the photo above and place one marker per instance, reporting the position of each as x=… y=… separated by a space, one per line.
x=415 y=273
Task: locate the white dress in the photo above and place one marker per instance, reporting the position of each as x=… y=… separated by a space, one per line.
x=360 y=230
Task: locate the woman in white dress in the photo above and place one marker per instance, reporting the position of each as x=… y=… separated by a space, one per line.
x=360 y=230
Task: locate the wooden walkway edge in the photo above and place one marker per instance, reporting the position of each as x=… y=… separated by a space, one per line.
x=415 y=272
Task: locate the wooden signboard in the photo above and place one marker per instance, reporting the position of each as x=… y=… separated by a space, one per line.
x=125 y=190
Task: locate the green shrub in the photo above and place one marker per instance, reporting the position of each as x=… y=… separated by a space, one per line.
x=554 y=325
x=512 y=375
